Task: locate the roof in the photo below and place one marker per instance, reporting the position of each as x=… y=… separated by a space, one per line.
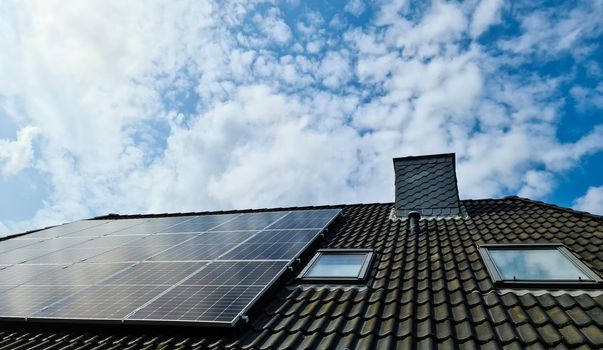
x=425 y=290
x=427 y=184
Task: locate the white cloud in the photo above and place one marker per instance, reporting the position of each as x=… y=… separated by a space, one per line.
x=592 y=201
x=335 y=69
x=552 y=31
x=18 y=154
x=586 y=97
x=146 y=107
x=274 y=26
x=355 y=7
x=537 y=184
x=487 y=13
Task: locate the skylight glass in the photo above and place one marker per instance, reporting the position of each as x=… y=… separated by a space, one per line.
x=337 y=265
x=535 y=264
x=546 y=265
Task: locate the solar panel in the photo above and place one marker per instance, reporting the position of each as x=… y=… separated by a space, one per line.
x=68 y=255
x=200 y=223
x=110 y=227
x=222 y=237
x=153 y=226
x=305 y=219
x=128 y=254
x=18 y=274
x=265 y=251
x=212 y=304
x=284 y=236
x=24 y=300
x=110 y=241
x=205 y=269
x=58 y=243
x=13 y=244
x=236 y=273
x=250 y=221
x=65 y=229
x=21 y=255
x=101 y=302
x=193 y=252
x=150 y=273
x=83 y=274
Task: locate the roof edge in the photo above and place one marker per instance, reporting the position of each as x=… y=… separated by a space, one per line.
x=233 y=211
x=554 y=206
x=429 y=156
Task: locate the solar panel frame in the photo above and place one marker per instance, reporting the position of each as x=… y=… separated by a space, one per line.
x=55 y=231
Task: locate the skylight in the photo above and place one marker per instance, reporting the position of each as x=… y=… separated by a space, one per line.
x=338 y=265
x=535 y=264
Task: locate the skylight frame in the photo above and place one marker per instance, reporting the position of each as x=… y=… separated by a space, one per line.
x=594 y=280
x=360 y=278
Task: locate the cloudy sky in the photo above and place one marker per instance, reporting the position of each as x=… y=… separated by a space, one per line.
x=167 y=106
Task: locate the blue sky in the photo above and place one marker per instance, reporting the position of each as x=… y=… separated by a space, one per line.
x=148 y=106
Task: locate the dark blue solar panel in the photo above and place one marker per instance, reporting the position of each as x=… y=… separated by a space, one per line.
x=109 y=241
x=102 y=302
x=21 y=255
x=77 y=274
x=22 y=301
x=58 y=243
x=200 y=223
x=222 y=238
x=12 y=244
x=204 y=269
x=153 y=225
x=18 y=274
x=284 y=236
x=111 y=227
x=151 y=273
x=191 y=252
x=266 y=251
x=65 y=229
x=199 y=303
x=161 y=239
x=237 y=273
x=251 y=221
x=131 y=253
x=305 y=219
x=69 y=255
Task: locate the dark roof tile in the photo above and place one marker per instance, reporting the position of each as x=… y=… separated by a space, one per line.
x=430 y=289
x=593 y=335
x=549 y=334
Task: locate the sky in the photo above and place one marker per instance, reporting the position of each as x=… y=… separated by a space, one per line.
x=154 y=106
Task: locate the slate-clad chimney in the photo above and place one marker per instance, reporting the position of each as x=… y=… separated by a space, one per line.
x=427 y=184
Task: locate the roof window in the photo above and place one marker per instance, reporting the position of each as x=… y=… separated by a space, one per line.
x=338 y=265
x=538 y=265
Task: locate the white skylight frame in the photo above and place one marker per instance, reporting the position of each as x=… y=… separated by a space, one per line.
x=593 y=280
x=362 y=272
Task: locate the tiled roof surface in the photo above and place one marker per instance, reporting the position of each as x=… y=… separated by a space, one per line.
x=429 y=290
x=426 y=184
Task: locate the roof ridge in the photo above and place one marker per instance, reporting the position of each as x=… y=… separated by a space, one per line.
x=554 y=206
x=231 y=211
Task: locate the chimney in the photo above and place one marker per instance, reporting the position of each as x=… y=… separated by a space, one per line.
x=427 y=185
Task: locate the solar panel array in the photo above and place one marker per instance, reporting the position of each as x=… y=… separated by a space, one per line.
x=205 y=269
